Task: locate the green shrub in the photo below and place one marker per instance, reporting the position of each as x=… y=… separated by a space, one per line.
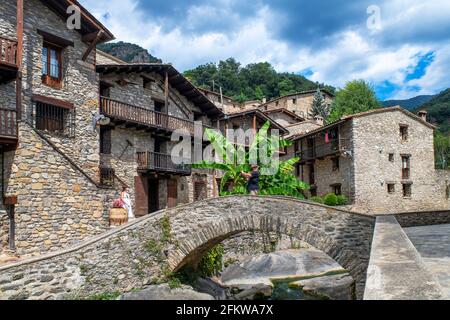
x=342 y=200
x=212 y=261
x=317 y=199
x=330 y=199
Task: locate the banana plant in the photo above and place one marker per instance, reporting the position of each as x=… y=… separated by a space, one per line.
x=235 y=159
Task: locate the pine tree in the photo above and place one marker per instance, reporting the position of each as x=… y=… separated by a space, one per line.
x=319 y=107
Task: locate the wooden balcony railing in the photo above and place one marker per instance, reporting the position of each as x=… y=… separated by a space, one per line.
x=141 y=116
x=8 y=51
x=160 y=162
x=8 y=123
x=333 y=147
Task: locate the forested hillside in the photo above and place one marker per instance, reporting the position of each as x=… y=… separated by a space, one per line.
x=409 y=104
x=438 y=110
x=252 y=82
x=128 y=52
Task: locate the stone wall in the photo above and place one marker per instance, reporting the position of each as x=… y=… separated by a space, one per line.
x=377 y=135
x=301 y=106
x=79 y=86
x=57 y=204
x=143 y=251
x=423 y=218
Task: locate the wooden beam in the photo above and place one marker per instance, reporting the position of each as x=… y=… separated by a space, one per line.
x=93 y=45
x=166 y=92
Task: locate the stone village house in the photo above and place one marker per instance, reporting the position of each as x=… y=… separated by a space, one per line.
x=60 y=171
x=382 y=160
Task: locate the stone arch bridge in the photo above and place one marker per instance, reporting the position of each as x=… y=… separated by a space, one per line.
x=146 y=250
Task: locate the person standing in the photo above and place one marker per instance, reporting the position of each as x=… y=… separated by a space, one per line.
x=126 y=198
x=253 y=180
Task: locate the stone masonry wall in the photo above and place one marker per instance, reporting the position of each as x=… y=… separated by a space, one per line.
x=80 y=82
x=377 y=135
x=57 y=205
x=133 y=256
x=301 y=106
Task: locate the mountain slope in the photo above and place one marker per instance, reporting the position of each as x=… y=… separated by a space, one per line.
x=409 y=104
x=252 y=82
x=438 y=110
x=129 y=52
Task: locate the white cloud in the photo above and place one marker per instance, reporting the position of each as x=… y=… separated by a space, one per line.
x=349 y=54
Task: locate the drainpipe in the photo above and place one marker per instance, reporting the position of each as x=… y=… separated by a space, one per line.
x=19 y=55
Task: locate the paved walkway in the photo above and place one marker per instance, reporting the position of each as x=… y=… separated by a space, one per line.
x=433 y=244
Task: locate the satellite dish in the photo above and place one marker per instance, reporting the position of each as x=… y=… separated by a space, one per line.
x=104 y=121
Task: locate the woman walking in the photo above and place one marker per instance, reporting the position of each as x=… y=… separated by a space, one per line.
x=125 y=196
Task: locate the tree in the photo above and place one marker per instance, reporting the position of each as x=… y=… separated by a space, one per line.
x=319 y=108
x=357 y=96
x=442 y=151
x=282 y=182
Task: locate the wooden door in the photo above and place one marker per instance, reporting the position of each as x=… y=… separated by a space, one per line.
x=172 y=193
x=153 y=195
x=141 y=195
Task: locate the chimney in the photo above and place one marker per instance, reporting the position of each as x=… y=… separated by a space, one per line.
x=264 y=100
x=423 y=115
x=318 y=120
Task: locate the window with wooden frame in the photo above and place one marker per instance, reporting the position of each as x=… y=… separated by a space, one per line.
x=52 y=65
x=200 y=190
x=406 y=167
x=54 y=119
x=105 y=140
x=391 y=157
x=335 y=163
x=391 y=188
x=407 y=190
x=404 y=132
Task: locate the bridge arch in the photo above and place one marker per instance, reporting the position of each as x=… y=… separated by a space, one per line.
x=343 y=235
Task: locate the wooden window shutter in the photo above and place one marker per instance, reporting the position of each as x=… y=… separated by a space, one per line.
x=172 y=193
x=141 y=195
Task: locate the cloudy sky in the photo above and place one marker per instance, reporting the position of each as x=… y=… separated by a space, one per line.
x=401 y=46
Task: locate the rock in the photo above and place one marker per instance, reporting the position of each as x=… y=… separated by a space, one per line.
x=280 y=265
x=335 y=287
x=163 y=292
x=255 y=292
x=212 y=288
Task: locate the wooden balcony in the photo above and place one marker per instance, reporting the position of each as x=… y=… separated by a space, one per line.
x=162 y=163
x=143 y=119
x=8 y=62
x=8 y=128
x=332 y=148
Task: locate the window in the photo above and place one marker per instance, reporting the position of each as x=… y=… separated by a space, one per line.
x=52 y=65
x=313 y=191
x=294 y=101
x=391 y=188
x=404 y=132
x=53 y=119
x=335 y=163
x=200 y=190
x=147 y=82
x=391 y=157
x=407 y=190
x=336 y=189
x=406 y=167
x=105 y=140
x=276 y=103
x=312 y=180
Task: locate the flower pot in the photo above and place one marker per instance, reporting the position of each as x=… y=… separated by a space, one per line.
x=118 y=217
